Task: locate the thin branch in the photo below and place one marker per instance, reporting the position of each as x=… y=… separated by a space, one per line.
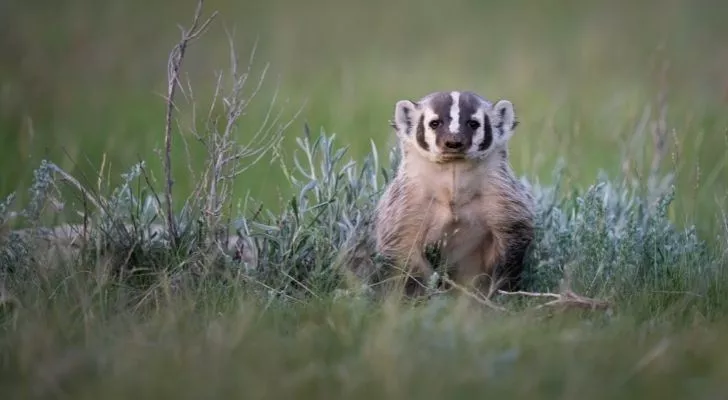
x=173 y=69
x=480 y=299
x=566 y=299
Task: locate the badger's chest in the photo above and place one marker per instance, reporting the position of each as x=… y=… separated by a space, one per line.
x=456 y=220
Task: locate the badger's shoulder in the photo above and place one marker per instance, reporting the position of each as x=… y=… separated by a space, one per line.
x=508 y=199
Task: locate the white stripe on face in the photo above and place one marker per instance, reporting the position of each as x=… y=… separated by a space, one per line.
x=479 y=134
x=430 y=135
x=455 y=112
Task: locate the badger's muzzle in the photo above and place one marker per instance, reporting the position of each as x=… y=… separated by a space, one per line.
x=453 y=143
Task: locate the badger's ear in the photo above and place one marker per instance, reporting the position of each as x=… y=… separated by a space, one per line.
x=504 y=120
x=404 y=112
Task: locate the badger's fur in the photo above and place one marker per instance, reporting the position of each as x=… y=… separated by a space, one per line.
x=454 y=188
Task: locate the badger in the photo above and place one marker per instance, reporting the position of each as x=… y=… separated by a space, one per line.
x=454 y=190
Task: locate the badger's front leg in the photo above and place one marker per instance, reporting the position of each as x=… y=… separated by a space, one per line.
x=471 y=271
x=408 y=262
x=509 y=252
x=497 y=263
x=401 y=229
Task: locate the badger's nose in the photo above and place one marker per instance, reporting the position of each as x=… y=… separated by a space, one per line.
x=454 y=143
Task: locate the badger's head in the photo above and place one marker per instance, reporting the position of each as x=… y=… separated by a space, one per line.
x=447 y=126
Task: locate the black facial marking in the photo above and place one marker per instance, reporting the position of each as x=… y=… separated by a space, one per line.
x=487 y=134
x=420 y=135
x=469 y=104
x=441 y=105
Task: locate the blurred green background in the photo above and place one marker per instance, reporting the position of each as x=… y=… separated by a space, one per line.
x=81 y=80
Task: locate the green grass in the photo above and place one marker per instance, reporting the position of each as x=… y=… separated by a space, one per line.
x=220 y=344
x=81 y=86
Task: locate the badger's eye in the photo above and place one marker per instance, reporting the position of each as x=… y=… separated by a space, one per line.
x=435 y=123
x=473 y=124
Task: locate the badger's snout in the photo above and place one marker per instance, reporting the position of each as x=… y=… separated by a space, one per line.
x=453 y=142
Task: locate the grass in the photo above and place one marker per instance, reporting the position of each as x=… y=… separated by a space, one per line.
x=627 y=161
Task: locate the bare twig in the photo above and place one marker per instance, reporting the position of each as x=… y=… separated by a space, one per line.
x=224 y=154
x=173 y=67
x=565 y=299
x=475 y=296
x=659 y=129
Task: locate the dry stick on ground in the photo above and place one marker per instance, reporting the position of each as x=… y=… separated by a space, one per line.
x=565 y=299
x=475 y=296
x=173 y=67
